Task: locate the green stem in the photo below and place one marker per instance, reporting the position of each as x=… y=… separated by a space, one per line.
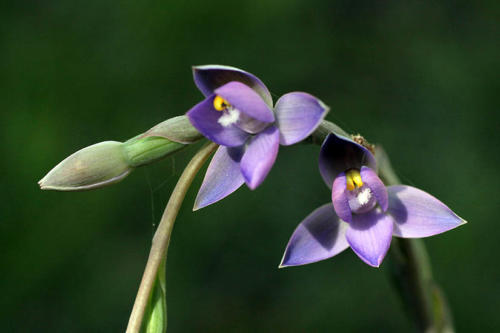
x=411 y=272
x=161 y=238
x=322 y=132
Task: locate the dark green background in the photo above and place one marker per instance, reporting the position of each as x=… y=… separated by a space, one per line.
x=419 y=77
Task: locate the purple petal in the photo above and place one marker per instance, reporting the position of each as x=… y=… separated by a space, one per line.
x=339 y=154
x=340 y=199
x=250 y=125
x=378 y=188
x=205 y=118
x=246 y=100
x=259 y=156
x=210 y=77
x=223 y=177
x=321 y=235
x=297 y=116
x=419 y=214
x=369 y=235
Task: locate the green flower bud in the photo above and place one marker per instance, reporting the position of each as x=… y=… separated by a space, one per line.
x=109 y=162
x=92 y=167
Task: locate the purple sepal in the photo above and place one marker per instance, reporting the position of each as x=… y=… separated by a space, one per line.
x=418 y=214
x=210 y=77
x=223 y=177
x=340 y=199
x=378 y=188
x=246 y=100
x=205 y=118
x=259 y=156
x=339 y=154
x=321 y=235
x=369 y=236
x=297 y=116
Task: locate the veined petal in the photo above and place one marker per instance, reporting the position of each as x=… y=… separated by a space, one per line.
x=419 y=214
x=339 y=154
x=340 y=199
x=259 y=156
x=378 y=188
x=209 y=77
x=369 y=236
x=223 y=177
x=321 y=235
x=246 y=100
x=205 y=118
x=297 y=116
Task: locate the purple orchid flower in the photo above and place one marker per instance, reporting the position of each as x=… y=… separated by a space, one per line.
x=365 y=213
x=238 y=114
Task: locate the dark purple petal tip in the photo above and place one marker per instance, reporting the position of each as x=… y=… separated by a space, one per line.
x=210 y=77
x=339 y=154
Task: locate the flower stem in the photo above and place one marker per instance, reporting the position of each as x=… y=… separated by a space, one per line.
x=411 y=272
x=161 y=238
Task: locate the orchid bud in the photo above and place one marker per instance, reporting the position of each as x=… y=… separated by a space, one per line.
x=109 y=162
x=92 y=167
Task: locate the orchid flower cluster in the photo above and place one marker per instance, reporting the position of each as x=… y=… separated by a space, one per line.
x=238 y=115
x=364 y=214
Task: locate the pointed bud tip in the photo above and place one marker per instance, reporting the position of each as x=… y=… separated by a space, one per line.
x=91 y=167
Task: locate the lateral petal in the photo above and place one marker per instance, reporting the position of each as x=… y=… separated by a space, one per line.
x=321 y=235
x=297 y=116
x=340 y=199
x=223 y=177
x=419 y=214
x=378 y=188
x=259 y=156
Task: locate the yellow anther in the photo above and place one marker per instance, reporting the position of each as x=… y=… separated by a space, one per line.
x=220 y=104
x=353 y=179
x=349 y=184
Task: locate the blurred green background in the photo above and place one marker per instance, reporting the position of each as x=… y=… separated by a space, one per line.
x=419 y=77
